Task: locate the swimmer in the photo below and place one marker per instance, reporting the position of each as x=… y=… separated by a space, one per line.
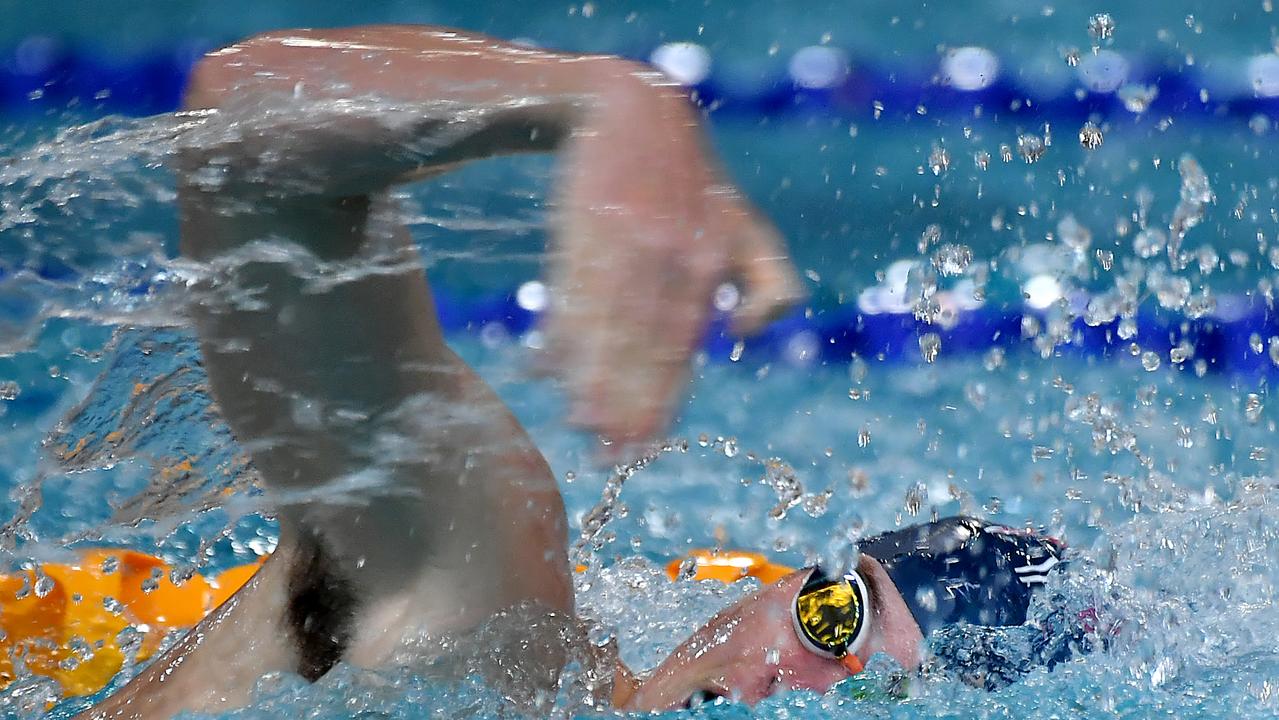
x=820 y=626
x=956 y=574
x=410 y=501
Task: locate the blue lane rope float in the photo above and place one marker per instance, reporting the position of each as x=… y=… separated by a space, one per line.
x=42 y=73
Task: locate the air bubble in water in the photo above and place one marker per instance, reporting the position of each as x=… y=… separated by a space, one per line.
x=1150 y=360
x=1252 y=408
x=1030 y=147
x=929 y=346
x=1090 y=137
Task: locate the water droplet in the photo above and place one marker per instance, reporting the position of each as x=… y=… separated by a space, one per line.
x=859 y=479
x=726 y=297
x=1106 y=259
x=1252 y=408
x=570 y=476
x=1074 y=234
x=929 y=237
x=1072 y=57
x=863 y=436
x=1184 y=437
x=1127 y=328
x=44 y=586
x=1149 y=243
x=1183 y=352
x=858 y=369
x=1150 y=360
x=1259 y=124
x=1005 y=153
x=1137 y=98
x=929 y=346
x=1101 y=27
x=1255 y=344
x=1274 y=350
x=730 y=447
x=981 y=159
x=738 y=348
x=9 y=390
x=939 y=160
x=994 y=359
x=951 y=259
x=916 y=496
x=1090 y=137
x=815 y=505
x=1030 y=147
x=1041 y=452
x=703 y=440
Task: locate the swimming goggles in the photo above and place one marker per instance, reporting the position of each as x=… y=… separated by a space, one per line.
x=830 y=617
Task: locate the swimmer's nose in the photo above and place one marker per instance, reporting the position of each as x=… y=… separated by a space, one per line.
x=744 y=654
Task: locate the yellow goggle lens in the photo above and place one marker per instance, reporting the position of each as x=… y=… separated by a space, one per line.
x=831 y=614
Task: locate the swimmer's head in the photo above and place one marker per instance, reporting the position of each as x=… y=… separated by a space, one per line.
x=806 y=631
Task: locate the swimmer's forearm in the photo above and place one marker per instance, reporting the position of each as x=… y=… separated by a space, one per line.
x=376 y=105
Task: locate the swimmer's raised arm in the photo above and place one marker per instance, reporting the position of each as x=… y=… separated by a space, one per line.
x=645 y=226
x=409 y=499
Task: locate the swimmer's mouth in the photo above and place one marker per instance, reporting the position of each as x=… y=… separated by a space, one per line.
x=704 y=697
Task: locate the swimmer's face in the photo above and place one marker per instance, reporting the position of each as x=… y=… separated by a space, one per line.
x=745 y=653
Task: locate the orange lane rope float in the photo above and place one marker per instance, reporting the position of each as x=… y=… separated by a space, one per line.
x=64 y=620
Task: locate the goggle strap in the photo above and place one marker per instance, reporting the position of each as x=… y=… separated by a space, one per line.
x=852 y=663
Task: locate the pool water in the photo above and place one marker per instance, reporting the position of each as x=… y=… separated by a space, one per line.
x=1157 y=468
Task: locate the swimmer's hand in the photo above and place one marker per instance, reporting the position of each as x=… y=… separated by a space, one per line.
x=645 y=231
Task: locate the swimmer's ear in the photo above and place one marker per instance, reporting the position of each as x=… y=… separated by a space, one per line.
x=761 y=264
